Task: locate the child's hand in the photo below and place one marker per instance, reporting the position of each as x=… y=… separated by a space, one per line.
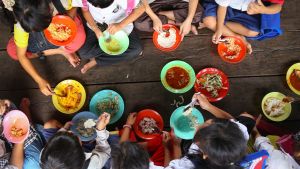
x=157 y=25
x=68 y=125
x=202 y=101
x=45 y=87
x=217 y=36
x=113 y=28
x=166 y=137
x=103 y=121
x=176 y=140
x=256 y=8
x=4 y=105
x=98 y=32
x=131 y=119
x=185 y=28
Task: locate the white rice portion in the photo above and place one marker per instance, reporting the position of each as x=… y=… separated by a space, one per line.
x=167 y=42
x=274 y=107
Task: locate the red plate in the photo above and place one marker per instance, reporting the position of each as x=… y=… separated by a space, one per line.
x=178 y=38
x=148 y=113
x=222 y=50
x=222 y=92
x=65 y=20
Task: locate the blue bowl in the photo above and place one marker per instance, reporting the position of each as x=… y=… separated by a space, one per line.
x=83 y=115
x=180 y=123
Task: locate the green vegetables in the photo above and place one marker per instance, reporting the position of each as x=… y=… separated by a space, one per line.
x=212 y=83
x=109 y=105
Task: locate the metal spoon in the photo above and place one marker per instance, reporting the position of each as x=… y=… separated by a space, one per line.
x=224 y=41
x=59 y=95
x=107 y=38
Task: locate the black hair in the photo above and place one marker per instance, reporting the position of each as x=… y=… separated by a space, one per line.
x=222 y=142
x=33 y=15
x=63 y=151
x=101 y=3
x=129 y=155
x=6 y=16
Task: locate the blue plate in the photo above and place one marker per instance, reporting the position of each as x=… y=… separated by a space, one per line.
x=105 y=95
x=83 y=115
x=180 y=123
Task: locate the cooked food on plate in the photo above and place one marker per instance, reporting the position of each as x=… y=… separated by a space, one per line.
x=72 y=97
x=90 y=123
x=187 y=123
x=16 y=132
x=84 y=131
x=211 y=83
x=113 y=45
x=59 y=32
x=167 y=39
x=148 y=125
x=177 y=77
x=295 y=79
x=109 y=105
x=233 y=49
x=274 y=107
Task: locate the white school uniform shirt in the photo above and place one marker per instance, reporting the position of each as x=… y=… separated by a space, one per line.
x=235 y=4
x=277 y=159
x=150 y=1
x=115 y=13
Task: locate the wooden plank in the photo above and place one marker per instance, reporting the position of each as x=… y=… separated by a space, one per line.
x=245 y=95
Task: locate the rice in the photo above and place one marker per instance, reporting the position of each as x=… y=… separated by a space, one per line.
x=59 y=32
x=274 y=107
x=167 y=42
x=90 y=123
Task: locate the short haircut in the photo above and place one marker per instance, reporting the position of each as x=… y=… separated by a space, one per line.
x=33 y=15
x=63 y=151
x=101 y=3
x=223 y=143
x=129 y=155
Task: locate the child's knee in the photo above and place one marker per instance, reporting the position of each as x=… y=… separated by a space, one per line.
x=210 y=22
x=52 y=124
x=251 y=33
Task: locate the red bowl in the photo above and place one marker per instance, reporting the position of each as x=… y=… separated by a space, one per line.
x=222 y=50
x=65 y=20
x=177 y=43
x=148 y=113
x=222 y=92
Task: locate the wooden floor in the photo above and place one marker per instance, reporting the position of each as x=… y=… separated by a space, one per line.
x=138 y=81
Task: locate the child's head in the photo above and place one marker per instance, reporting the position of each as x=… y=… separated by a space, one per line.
x=101 y=3
x=129 y=156
x=63 y=151
x=222 y=143
x=33 y=15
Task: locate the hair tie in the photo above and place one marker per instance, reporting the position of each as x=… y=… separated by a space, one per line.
x=8 y=4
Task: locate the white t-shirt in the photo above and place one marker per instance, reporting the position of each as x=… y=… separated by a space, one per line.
x=235 y=4
x=115 y=13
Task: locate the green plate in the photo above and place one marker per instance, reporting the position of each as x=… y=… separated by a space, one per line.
x=120 y=38
x=181 y=64
x=287 y=109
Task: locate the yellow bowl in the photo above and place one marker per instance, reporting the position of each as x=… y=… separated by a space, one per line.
x=287 y=109
x=288 y=74
x=60 y=87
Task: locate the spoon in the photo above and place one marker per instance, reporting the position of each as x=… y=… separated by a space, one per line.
x=107 y=38
x=190 y=105
x=224 y=41
x=297 y=73
x=289 y=99
x=59 y=95
x=167 y=33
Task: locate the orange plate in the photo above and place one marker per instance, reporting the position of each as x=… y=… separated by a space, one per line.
x=178 y=38
x=222 y=50
x=222 y=92
x=148 y=113
x=69 y=22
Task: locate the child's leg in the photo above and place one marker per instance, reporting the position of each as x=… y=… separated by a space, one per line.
x=24 y=107
x=71 y=57
x=240 y=29
x=92 y=63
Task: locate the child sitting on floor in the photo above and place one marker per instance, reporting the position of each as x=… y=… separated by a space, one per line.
x=64 y=149
x=242 y=18
x=183 y=13
x=113 y=16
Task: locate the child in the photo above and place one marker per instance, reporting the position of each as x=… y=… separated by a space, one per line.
x=33 y=16
x=238 y=18
x=64 y=149
x=113 y=15
x=183 y=13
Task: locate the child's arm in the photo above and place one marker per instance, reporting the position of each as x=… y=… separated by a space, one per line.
x=176 y=146
x=157 y=24
x=221 y=13
x=102 y=151
x=72 y=12
x=136 y=13
x=166 y=143
x=185 y=27
x=127 y=128
x=259 y=8
x=17 y=156
x=90 y=20
x=206 y=105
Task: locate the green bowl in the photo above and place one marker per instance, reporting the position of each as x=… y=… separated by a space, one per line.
x=120 y=37
x=180 y=125
x=181 y=64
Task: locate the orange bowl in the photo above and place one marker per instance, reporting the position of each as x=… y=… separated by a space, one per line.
x=68 y=22
x=223 y=51
x=176 y=44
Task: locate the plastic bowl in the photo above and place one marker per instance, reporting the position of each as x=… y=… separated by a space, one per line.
x=288 y=77
x=177 y=43
x=222 y=49
x=120 y=37
x=18 y=119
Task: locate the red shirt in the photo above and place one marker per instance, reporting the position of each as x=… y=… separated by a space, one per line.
x=275 y=1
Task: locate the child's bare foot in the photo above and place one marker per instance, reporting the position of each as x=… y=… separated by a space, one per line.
x=88 y=66
x=24 y=107
x=248 y=45
x=194 y=30
x=169 y=14
x=201 y=25
x=72 y=58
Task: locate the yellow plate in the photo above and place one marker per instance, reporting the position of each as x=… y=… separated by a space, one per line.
x=60 y=87
x=288 y=74
x=287 y=109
